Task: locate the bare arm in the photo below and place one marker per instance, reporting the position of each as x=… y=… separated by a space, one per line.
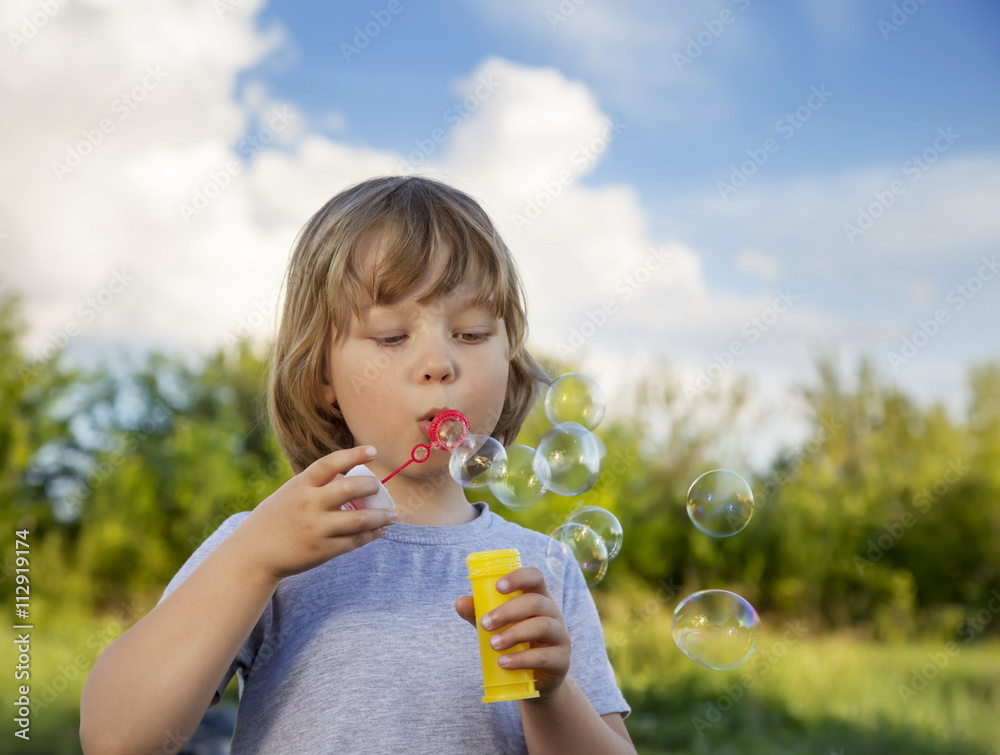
x=567 y=722
x=561 y=719
x=155 y=682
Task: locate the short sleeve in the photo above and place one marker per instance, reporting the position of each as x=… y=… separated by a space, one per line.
x=589 y=666
x=247 y=652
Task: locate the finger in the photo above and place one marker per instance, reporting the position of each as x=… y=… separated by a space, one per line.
x=527 y=579
x=520 y=608
x=542 y=630
x=359 y=539
x=466 y=609
x=356 y=523
x=326 y=467
x=553 y=659
x=343 y=489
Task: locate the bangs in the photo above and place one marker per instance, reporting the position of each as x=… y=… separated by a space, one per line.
x=413 y=232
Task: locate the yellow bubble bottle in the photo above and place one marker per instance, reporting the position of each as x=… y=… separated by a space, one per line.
x=485 y=568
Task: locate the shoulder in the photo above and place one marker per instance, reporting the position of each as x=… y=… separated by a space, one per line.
x=525 y=540
x=223 y=531
x=211 y=542
x=561 y=570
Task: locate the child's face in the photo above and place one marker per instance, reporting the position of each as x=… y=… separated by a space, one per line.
x=397 y=366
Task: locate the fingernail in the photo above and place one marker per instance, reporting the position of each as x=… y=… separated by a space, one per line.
x=487 y=621
x=495 y=641
x=502 y=585
x=393 y=515
x=504 y=660
x=370 y=450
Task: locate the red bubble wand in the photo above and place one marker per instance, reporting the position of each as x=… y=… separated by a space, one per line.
x=422 y=451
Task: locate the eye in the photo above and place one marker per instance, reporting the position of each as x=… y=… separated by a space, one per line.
x=471 y=337
x=388 y=340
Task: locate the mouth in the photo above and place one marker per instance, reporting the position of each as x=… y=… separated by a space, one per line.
x=424 y=423
x=432 y=414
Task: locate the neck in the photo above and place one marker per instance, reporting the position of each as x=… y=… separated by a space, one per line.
x=436 y=500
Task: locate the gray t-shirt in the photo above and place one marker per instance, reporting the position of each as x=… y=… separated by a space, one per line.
x=366 y=654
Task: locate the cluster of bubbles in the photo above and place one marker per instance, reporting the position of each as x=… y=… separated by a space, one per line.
x=567 y=462
x=592 y=536
x=717 y=628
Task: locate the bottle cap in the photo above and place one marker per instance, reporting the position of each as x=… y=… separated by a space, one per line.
x=489 y=562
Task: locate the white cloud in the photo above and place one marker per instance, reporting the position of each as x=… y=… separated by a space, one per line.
x=531 y=125
x=628 y=50
x=857 y=220
x=758 y=264
x=865 y=297
x=122 y=111
x=525 y=138
x=948 y=208
x=203 y=238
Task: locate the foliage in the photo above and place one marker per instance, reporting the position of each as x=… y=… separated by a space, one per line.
x=882 y=522
x=885 y=518
x=802 y=691
x=821 y=694
x=29 y=391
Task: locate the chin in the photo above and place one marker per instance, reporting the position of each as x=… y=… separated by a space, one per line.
x=426 y=471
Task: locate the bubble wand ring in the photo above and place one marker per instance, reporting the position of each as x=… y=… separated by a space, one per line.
x=441 y=418
x=422 y=451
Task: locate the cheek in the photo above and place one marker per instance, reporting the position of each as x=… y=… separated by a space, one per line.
x=498 y=390
x=360 y=373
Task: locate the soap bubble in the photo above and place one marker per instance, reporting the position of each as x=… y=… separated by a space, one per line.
x=583 y=545
x=604 y=523
x=720 y=503
x=476 y=461
x=715 y=628
x=602 y=450
x=450 y=433
x=575 y=398
x=571 y=459
x=520 y=485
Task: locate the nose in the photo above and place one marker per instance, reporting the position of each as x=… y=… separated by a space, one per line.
x=436 y=363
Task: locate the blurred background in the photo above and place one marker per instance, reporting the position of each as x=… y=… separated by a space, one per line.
x=769 y=230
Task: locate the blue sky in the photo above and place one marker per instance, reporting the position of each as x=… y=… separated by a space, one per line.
x=891 y=93
x=893 y=84
x=867 y=95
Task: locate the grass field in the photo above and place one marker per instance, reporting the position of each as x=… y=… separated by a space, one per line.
x=800 y=693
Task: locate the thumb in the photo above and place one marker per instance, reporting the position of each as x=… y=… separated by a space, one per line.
x=465 y=608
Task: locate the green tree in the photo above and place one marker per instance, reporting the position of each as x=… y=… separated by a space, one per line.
x=29 y=422
x=189 y=448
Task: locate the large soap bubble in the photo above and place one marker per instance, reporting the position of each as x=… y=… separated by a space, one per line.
x=568 y=459
x=477 y=461
x=720 y=503
x=604 y=523
x=715 y=628
x=520 y=486
x=583 y=545
x=575 y=398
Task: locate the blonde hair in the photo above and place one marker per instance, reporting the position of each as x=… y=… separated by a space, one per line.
x=325 y=282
